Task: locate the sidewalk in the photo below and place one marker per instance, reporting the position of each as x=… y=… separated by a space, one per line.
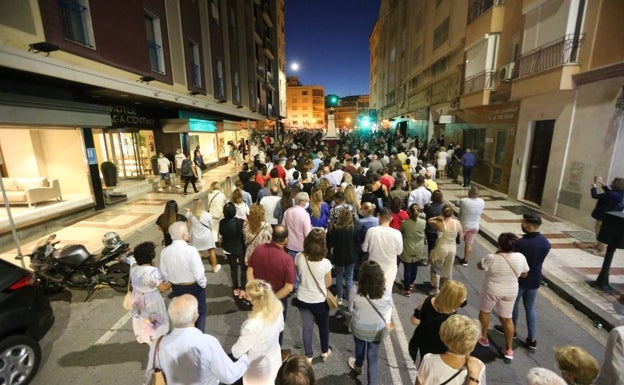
x=128 y=218
x=567 y=269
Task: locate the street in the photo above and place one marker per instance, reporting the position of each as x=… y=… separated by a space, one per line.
x=92 y=342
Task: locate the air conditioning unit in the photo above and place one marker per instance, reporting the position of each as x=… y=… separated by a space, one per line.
x=505 y=73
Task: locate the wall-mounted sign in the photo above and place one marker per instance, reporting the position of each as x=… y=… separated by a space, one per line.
x=91 y=156
x=445 y=119
x=128 y=116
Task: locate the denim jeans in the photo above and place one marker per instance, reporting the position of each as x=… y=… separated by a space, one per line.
x=237 y=263
x=371 y=350
x=528 y=299
x=347 y=273
x=293 y=254
x=410 y=271
x=318 y=312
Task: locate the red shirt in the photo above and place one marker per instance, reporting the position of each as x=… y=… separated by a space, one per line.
x=271 y=263
x=388 y=181
x=281 y=171
x=398 y=218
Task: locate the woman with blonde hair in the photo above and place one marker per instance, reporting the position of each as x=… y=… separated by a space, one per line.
x=256 y=232
x=445 y=248
x=577 y=366
x=201 y=232
x=216 y=201
x=242 y=210
x=351 y=197
x=319 y=209
x=259 y=337
x=455 y=366
x=315 y=272
x=430 y=315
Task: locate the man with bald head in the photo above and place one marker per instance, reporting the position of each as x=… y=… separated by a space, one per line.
x=181 y=264
x=188 y=356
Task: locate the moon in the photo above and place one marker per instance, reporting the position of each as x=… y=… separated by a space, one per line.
x=294 y=66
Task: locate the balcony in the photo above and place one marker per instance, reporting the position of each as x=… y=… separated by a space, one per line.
x=266 y=15
x=479 y=82
x=485 y=16
x=554 y=54
x=479 y=7
x=268 y=49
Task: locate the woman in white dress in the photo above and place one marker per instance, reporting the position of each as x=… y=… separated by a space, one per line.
x=260 y=334
x=442 y=157
x=149 y=313
x=216 y=202
x=202 y=239
x=455 y=367
x=242 y=209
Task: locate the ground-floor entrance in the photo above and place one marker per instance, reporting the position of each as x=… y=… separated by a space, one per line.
x=129 y=149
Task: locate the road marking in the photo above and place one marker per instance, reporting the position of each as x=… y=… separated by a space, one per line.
x=111 y=332
x=392 y=361
x=404 y=345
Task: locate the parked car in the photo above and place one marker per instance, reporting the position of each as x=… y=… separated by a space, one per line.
x=25 y=317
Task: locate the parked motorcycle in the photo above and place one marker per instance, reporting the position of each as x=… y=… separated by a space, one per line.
x=73 y=265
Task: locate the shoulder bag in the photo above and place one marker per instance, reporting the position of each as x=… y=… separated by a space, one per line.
x=157 y=376
x=455 y=375
x=387 y=328
x=255 y=236
x=330 y=298
x=511 y=267
x=127 y=301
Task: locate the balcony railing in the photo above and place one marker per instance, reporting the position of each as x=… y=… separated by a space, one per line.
x=479 y=7
x=479 y=82
x=554 y=54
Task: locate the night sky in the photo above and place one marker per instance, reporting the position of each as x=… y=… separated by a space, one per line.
x=329 y=41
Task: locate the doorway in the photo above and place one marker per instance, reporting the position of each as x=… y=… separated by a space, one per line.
x=129 y=150
x=538 y=164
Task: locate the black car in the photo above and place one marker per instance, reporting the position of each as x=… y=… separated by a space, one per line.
x=25 y=317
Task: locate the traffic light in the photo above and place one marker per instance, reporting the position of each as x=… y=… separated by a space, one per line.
x=333 y=100
x=364 y=121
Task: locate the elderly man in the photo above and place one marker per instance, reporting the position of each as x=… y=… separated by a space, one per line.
x=419 y=195
x=187 y=356
x=180 y=264
x=297 y=221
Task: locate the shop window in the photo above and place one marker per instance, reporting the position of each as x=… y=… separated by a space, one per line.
x=77 y=21
x=195 y=66
x=154 y=42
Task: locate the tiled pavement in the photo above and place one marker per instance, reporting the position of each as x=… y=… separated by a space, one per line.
x=567 y=269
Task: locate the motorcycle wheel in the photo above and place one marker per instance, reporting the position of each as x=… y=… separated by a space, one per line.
x=49 y=286
x=118 y=276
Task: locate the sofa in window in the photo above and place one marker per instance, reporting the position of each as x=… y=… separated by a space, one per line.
x=31 y=191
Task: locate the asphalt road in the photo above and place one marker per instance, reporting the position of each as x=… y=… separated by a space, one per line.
x=92 y=342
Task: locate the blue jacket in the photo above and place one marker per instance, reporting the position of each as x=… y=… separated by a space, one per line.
x=606 y=201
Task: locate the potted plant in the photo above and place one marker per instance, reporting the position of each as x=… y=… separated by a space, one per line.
x=154 y=161
x=109 y=172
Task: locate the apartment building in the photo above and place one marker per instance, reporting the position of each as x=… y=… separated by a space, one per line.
x=84 y=81
x=352 y=113
x=533 y=86
x=305 y=106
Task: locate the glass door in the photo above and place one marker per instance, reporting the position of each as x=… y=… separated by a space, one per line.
x=123 y=149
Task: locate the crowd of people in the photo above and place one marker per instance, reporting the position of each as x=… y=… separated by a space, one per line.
x=360 y=209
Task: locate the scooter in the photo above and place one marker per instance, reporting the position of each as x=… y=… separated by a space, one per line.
x=73 y=265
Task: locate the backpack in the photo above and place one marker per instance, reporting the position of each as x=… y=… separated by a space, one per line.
x=186 y=167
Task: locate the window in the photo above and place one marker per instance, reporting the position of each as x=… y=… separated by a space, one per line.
x=214 y=10
x=77 y=21
x=220 y=86
x=233 y=27
x=441 y=33
x=417 y=56
x=196 y=79
x=304 y=92
x=236 y=87
x=154 y=42
x=439 y=66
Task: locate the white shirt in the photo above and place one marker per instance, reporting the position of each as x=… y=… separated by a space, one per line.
x=216 y=201
x=421 y=196
x=163 y=165
x=308 y=291
x=179 y=158
x=500 y=279
x=189 y=357
x=383 y=244
x=181 y=263
x=612 y=371
x=470 y=210
x=268 y=203
x=434 y=371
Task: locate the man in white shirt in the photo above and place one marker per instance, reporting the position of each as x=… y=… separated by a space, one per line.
x=187 y=356
x=470 y=210
x=383 y=245
x=164 y=166
x=268 y=203
x=420 y=195
x=181 y=264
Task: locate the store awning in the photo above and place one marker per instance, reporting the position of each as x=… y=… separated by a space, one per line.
x=176 y=126
x=22 y=110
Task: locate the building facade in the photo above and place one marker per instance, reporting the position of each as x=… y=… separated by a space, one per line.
x=305 y=106
x=519 y=81
x=123 y=80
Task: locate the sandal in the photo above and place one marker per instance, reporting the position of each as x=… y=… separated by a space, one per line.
x=241 y=294
x=235 y=292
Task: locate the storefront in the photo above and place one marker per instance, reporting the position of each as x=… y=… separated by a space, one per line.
x=490 y=132
x=45 y=138
x=129 y=143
